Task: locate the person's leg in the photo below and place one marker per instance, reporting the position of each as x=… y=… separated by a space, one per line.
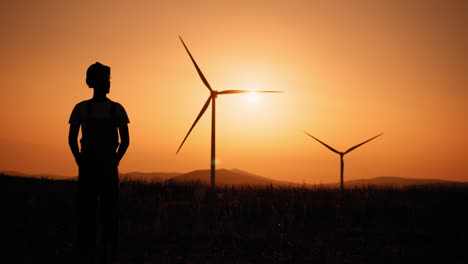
x=87 y=203
x=110 y=211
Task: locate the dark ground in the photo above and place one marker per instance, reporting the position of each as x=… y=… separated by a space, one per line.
x=169 y=223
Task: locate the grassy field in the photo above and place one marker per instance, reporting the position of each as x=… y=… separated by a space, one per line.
x=174 y=223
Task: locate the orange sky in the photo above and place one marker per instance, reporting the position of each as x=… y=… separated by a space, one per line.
x=350 y=70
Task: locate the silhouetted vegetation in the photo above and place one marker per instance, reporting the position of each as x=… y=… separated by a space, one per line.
x=188 y=223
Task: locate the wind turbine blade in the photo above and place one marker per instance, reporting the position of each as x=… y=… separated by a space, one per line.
x=245 y=91
x=196 y=66
x=234 y=92
x=196 y=120
x=330 y=148
x=352 y=148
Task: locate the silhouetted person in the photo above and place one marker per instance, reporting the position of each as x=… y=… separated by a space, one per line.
x=101 y=121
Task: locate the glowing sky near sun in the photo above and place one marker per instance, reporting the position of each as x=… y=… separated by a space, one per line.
x=349 y=69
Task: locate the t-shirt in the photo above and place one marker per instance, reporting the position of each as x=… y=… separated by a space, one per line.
x=99 y=110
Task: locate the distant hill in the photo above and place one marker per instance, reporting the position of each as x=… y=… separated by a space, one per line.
x=229 y=177
x=149 y=176
x=133 y=176
x=37 y=176
x=398 y=182
x=238 y=177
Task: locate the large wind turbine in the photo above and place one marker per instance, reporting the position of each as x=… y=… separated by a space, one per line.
x=212 y=97
x=342 y=153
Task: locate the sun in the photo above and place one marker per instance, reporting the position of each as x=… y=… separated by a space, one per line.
x=252 y=98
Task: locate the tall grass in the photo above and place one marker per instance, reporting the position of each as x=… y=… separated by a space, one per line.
x=189 y=223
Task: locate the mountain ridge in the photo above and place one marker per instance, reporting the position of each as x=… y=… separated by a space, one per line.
x=237 y=177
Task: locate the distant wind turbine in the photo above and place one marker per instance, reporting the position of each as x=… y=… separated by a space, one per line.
x=212 y=97
x=342 y=154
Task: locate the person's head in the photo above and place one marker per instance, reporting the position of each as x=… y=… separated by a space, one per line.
x=98 y=77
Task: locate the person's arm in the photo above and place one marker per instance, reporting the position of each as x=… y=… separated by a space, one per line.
x=124 y=141
x=73 y=141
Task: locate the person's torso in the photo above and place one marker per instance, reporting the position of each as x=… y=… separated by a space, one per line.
x=99 y=128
